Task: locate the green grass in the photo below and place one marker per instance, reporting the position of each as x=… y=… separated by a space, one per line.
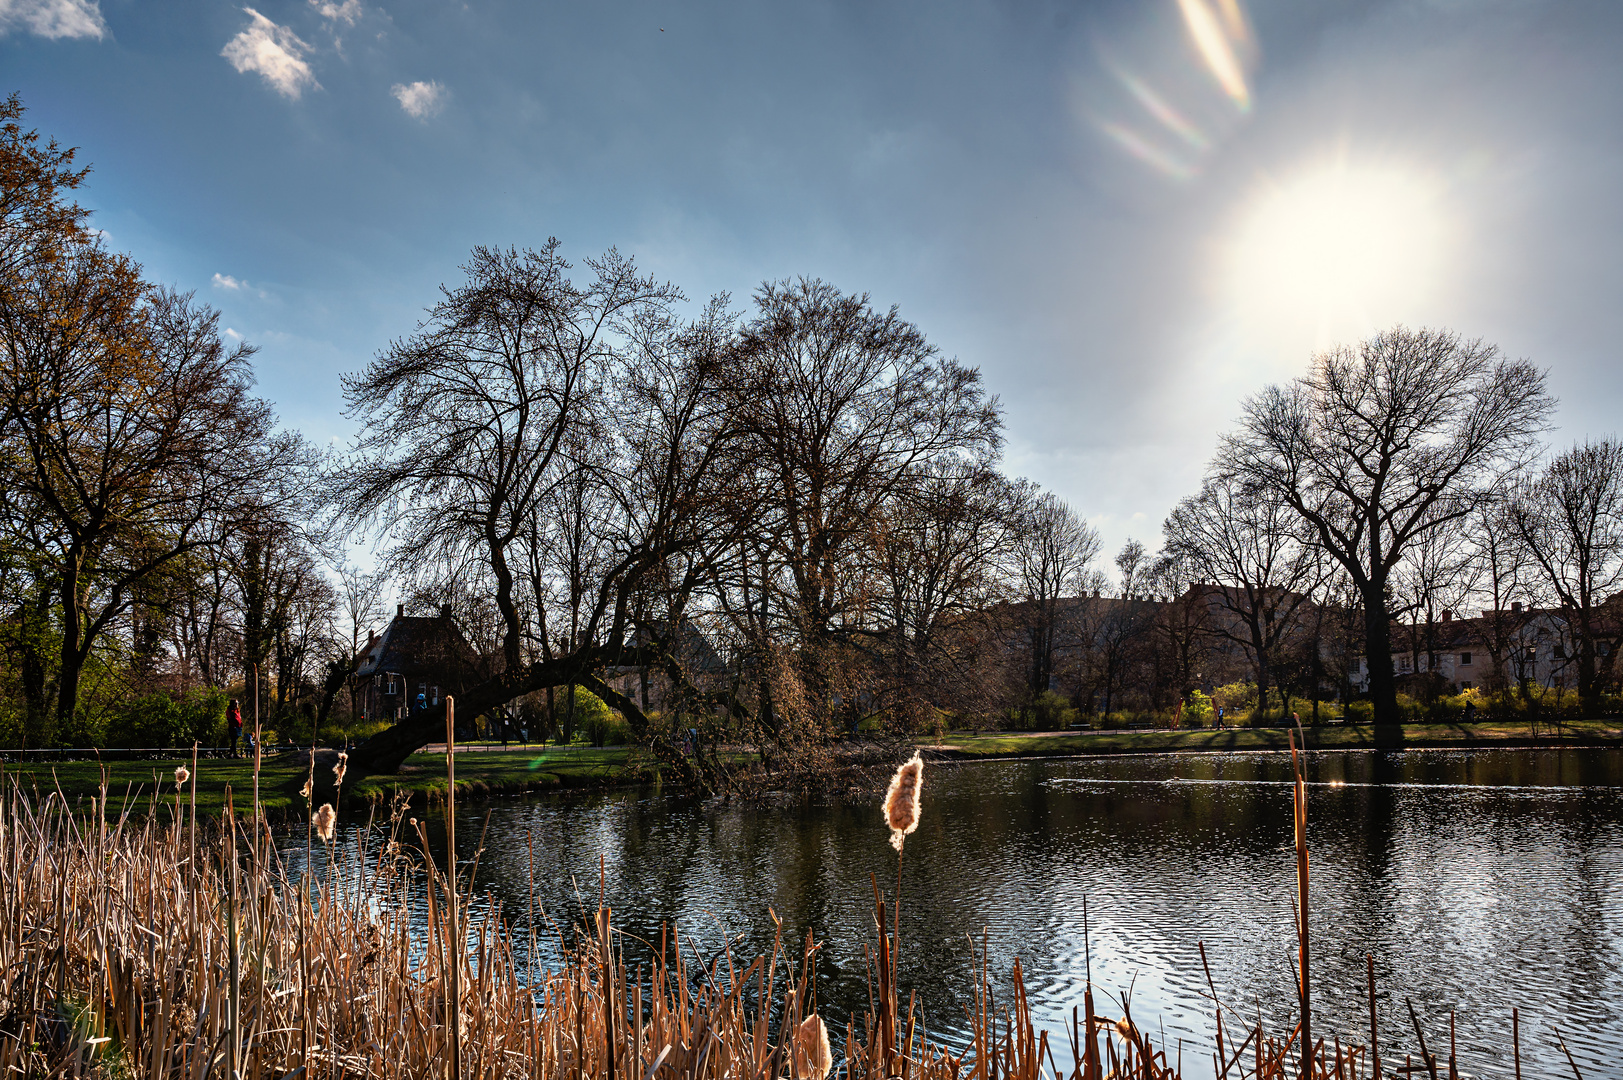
x=132 y=783
x=1334 y=737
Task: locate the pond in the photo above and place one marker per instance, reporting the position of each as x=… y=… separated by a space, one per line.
x=1478 y=881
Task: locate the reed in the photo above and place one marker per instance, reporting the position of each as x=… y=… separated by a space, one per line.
x=132 y=948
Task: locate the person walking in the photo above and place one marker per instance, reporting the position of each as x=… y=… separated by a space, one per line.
x=233 y=724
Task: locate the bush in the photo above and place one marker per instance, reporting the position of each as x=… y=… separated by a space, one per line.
x=161 y=719
x=1360 y=712
x=596 y=723
x=1199 y=712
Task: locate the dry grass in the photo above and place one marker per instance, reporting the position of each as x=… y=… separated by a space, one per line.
x=143 y=948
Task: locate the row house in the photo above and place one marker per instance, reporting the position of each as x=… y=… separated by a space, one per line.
x=1536 y=645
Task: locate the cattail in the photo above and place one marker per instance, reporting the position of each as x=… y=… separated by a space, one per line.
x=902 y=800
x=182 y=775
x=812 y=1056
x=324 y=820
x=340 y=768
x=306 y=789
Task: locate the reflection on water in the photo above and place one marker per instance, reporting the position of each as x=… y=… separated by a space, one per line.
x=1478 y=882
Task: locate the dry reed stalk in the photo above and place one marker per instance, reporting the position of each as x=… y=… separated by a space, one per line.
x=454 y=1062
x=1299 y=817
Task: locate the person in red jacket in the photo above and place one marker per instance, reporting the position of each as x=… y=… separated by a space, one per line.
x=233 y=725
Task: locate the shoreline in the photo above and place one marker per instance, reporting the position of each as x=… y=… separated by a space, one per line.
x=492 y=772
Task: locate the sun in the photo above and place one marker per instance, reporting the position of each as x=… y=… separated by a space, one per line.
x=1338 y=251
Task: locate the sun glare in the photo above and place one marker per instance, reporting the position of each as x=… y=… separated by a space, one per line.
x=1338 y=251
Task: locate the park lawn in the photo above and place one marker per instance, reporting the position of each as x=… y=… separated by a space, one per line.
x=533 y=768
x=131 y=784
x=1328 y=737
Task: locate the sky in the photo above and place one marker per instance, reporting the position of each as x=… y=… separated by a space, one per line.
x=1127 y=215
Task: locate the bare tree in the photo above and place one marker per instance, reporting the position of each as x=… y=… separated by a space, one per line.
x=1436 y=576
x=1247 y=544
x=935 y=553
x=1184 y=623
x=1051 y=550
x=1380 y=444
x=1502 y=577
x=1570 y=521
x=473 y=435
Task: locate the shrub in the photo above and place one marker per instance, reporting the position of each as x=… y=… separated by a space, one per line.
x=1199 y=711
x=596 y=723
x=161 y=719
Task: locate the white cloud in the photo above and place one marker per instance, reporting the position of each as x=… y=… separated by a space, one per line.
x=231 y=284
x=347 y=12
x=230 y=333
x=420 y=99
x=275 y=52
x=53 y=18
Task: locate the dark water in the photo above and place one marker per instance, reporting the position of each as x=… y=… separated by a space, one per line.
x=1478 y=881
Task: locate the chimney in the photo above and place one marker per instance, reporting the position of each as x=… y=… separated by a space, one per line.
x=371 y=638
x=445 y=611
x=1516 y=607
x=400 y=611
x=1447 y=615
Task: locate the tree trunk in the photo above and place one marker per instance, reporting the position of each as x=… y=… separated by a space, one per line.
x=1383 y=689
x=72 y=657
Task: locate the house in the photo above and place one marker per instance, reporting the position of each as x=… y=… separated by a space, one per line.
x=413 y=665
x=650 y=687
x=1535 y=645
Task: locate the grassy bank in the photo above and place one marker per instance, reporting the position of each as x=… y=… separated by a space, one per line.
x=1481 y=735
x=479 y=772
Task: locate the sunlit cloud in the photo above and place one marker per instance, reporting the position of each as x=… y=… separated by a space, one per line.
x=237 y=285
x=273 y=52
x=420 y=99
x=1214 y=37
x=348 y=12
x=53 y=18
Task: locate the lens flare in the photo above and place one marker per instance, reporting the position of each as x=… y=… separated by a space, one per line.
x=1157 y=106
x=1217 y=48
x=1146 y=151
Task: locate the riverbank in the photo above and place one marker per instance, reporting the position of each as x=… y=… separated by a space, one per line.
x=1483 y=735
x=480 y=772
x=484 y=771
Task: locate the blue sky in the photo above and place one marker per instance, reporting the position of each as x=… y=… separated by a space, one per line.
x=1127 y=215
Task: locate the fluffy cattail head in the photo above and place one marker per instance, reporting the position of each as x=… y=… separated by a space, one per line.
x=340 y=768
x=306 y=789
x=902 y=800
x=812 y=1056
x=182 y=774
x=324 y=821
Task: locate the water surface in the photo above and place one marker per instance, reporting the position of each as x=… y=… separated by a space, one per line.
x=1478 y=881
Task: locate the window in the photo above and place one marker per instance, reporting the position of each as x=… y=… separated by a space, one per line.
x=1404 y=664
x=1465 y=659
x=1467 y=685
